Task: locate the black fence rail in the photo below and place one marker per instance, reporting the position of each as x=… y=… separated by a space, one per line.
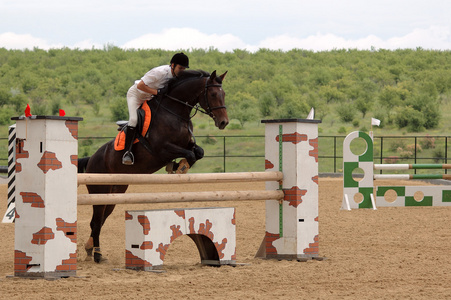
x=246 y=153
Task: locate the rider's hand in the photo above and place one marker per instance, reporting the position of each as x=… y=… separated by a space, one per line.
x=162 y=91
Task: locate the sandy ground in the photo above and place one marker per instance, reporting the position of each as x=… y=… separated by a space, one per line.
x=391 y=253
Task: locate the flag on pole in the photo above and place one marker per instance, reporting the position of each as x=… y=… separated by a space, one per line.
x=28 y=111
x=375 y=122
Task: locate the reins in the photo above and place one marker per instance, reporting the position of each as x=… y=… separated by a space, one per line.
x=197 y=107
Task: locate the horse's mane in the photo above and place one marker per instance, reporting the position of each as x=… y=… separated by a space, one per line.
x=185 y=76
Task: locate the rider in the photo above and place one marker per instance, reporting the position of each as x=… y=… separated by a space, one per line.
x=153 y=83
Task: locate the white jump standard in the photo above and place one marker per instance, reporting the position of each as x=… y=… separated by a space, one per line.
x=46 y=197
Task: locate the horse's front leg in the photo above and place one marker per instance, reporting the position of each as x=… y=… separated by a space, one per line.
x=99 y=215
x=198 y=151
x=190 y=156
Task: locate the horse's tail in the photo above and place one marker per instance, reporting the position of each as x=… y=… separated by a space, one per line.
x=82 y=163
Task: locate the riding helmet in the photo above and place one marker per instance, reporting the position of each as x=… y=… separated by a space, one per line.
x=180 y=59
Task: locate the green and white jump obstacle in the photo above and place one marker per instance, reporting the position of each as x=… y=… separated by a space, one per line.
x=46 y=199
x=360 y=193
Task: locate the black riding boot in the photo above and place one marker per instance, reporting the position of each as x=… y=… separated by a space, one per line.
x=128 y=158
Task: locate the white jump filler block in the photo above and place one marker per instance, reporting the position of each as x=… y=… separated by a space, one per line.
x=292 y=226
x=149 y=233
x=46 y=197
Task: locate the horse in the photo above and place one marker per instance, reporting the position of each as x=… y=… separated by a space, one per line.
x=169 y=137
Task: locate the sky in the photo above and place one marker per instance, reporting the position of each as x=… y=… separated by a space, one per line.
x=317 y=25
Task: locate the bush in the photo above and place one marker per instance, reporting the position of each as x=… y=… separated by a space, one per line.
x=410 y=118
x=428 y=142
x=346 y=112
x=119 y=109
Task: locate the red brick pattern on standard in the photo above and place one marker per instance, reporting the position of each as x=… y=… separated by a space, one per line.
x=42 y=236
x=144 y=221
x=294 y=138
x=73 y=128
x=20 y=153
x=313 y=247
x=133 y=261
x=176 y=232
x=162 y=249
x=180 y=213
x=69 y=229
x=268 y=165
x=146 y=245
x=294 y=196
x=269 y=239
x=315 y=179
x=49 y=162
x=203 y=228
x=33 y=198
x=220 y=247
x=21 y=261
x=74 y=160
x=128 y=216
x=234 y=255
x=68 y=264
x=234 y=220
x=314 y=152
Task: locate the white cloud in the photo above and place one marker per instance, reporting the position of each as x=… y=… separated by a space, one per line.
x=10 y=40
x=185 y=38
x=434 y=37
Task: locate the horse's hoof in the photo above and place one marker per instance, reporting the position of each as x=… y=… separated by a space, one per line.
x=98 y=258
x=183 y=167
x=170 y=168
x=88 y=254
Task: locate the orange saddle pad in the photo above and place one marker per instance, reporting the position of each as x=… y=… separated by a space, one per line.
x=119 y=142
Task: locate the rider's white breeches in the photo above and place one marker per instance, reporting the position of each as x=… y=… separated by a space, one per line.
x=134 y=100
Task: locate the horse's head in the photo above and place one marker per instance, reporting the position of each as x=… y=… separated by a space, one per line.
x=213 y=100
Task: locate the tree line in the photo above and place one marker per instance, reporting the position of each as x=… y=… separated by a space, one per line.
x=403 y=88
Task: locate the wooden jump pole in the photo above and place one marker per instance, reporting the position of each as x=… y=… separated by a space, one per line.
x=410 y=166
x=175 y=197
x=127 y=179
x=411 y=176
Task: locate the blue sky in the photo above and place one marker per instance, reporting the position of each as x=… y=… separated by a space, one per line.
x=226 y=25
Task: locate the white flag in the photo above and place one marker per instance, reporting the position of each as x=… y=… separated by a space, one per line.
x=375 y=122
x=311 y=114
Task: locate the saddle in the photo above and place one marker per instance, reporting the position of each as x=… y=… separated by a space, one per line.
x=144 y=118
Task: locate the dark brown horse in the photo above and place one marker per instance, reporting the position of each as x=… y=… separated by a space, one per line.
x=169 y=137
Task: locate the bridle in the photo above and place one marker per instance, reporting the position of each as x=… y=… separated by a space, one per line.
x=197 y=106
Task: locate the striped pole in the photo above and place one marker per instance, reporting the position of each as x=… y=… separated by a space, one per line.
x=410 y=166
x=412 y=176
x=11 y=208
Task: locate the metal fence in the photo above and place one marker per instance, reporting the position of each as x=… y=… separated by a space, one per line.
x=239 y=152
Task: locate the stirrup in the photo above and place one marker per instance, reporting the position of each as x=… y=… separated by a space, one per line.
x=128 y=158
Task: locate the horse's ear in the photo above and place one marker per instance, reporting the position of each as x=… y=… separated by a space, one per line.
x=223 y=75
x=213 y=75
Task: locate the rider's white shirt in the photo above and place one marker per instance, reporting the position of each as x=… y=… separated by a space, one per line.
x=158 y=77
